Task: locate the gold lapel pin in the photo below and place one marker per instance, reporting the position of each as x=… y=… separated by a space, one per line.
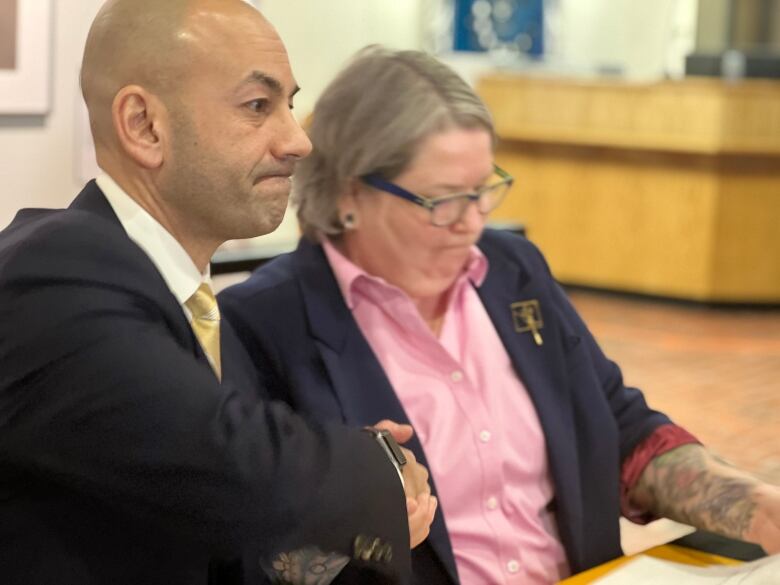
x=527 y=316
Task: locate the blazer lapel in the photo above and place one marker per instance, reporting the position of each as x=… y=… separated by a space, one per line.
x=542 y=370
x=363 y=390
x=92 y=200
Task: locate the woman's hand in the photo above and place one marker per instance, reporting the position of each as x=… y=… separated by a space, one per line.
x=764 y=528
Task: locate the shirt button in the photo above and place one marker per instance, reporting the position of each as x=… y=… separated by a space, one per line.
x=492 y=503
x=484 y=436
x=513 y=566
x=456 y=376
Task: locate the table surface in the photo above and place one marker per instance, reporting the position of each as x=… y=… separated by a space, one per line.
x=668 y=552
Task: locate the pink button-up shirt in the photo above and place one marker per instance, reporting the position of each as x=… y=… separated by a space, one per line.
x=475 y=420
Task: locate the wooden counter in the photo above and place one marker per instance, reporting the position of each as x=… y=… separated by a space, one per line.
x=668 y=189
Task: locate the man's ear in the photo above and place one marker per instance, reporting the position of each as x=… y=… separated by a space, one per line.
x=140 y=119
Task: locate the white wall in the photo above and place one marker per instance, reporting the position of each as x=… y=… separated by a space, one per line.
x=37 y=165
x=321 y=35
x=39 y=157
x=644 y=39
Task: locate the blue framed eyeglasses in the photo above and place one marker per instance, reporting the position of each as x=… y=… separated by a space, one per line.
x=447 y=210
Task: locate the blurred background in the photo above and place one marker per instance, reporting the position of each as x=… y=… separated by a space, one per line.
x=645 y=142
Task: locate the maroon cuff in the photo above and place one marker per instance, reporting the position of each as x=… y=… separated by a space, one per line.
x=662 y=439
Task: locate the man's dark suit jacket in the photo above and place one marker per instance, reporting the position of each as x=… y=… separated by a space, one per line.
x=122 y=458
x=310 y=352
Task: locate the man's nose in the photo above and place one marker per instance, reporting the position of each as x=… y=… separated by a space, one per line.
x=292 y=141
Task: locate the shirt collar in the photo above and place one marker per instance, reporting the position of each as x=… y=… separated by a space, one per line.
x=348 y=273
x=174 y=264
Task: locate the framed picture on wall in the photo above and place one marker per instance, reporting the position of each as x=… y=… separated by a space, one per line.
x=25 y=56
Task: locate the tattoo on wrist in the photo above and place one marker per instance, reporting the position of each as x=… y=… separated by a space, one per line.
x=689 y=485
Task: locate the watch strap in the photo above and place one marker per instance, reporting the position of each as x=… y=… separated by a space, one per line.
x=390 y=447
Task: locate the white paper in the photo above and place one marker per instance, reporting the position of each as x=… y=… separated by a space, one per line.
x=646 y=570
x=635 y=539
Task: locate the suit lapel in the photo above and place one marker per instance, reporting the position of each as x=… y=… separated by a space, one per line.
x=92 y=200
x=362 y=388
x=542 y=370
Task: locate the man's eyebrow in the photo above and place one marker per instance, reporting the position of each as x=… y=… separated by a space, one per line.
x=269 y=81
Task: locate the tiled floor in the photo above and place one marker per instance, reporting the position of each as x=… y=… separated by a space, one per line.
x=714 y=371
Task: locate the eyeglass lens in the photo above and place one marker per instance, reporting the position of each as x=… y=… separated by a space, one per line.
x=450 y=211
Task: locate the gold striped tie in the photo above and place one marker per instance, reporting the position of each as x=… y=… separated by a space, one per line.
x=205 y=324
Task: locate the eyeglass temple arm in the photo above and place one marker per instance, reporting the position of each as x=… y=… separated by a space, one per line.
x=378 y=183
x=503 y=174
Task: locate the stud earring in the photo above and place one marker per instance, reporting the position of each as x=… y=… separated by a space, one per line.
x=348 y=221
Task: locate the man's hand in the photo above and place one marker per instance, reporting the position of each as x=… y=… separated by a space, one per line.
x=420 y=504
x=764 y=528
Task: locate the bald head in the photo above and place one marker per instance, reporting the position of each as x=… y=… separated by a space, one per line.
x=190 y=103
x=151 y=43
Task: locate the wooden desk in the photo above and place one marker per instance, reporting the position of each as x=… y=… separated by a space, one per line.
x=669 y=552
x=669 y=188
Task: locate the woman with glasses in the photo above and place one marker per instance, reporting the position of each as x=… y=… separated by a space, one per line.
x=400 y=305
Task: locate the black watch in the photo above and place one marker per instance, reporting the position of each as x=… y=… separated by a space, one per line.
x=388 y=443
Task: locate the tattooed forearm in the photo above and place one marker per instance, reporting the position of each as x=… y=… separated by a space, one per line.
x=690 y=485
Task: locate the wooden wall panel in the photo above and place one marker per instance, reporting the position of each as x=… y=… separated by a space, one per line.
x=746 y=255
x=671 y=189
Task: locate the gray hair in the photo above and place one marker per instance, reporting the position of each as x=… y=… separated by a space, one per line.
x=370 y=119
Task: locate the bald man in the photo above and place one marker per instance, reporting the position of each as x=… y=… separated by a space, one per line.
x=123 y=457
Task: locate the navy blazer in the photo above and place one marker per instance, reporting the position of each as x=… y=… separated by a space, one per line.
x=122 y=457
x=310 y=352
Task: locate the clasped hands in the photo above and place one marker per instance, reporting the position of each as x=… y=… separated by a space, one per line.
x=420 y=504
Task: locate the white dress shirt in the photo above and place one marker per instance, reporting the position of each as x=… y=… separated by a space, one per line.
x=171 y=259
